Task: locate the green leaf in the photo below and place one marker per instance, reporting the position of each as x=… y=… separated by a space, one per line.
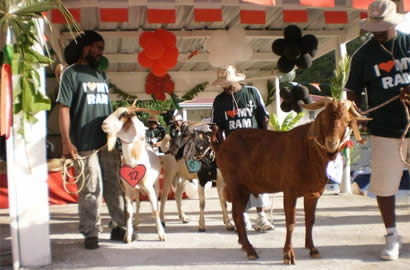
x=271 y=93
x=274 y=123
x=195 y=91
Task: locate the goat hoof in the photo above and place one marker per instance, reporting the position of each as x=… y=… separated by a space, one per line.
x=230 y=228
x=289 y=257
x=253 y=256
x=185 y=221
x=161 y=237
x=201 y=230
x=314 y=253
x=288 y=260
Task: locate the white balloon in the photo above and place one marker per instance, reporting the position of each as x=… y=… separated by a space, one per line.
x=247 y=52
x=237 y=34
x=404 y=27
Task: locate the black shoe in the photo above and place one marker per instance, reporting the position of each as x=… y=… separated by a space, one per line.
x=117 y=234
x=91 y=243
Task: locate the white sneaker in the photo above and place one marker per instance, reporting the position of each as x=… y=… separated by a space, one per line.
x=248 y=225
x=262 y=223
x=392 y=247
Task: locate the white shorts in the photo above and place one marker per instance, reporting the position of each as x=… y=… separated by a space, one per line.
x=258 y=202
x=387 y=166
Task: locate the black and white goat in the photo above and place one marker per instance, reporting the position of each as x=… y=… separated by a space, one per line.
x=195 y=142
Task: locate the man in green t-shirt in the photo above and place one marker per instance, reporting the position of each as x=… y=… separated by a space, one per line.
x=83 y=105
x=240 y=106
x=381 y=66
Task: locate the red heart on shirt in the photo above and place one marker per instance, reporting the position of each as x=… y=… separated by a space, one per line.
x=387 y=66
x=133 y=175
x=232 y=113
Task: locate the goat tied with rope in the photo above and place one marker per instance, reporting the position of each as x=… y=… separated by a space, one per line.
x=255 y=161
x=141 y=167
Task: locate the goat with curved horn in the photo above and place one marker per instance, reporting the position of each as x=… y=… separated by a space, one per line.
x=318 y=104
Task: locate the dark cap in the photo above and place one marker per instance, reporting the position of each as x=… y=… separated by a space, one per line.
x=72 y=51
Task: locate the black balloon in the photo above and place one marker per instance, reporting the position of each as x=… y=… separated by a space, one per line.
x=307 y=100
x=286 y=106
x=292 y=50
x=292 y=32
x=300 y=91
x=278 y=46
x=285 y=93
x=296 y=107
x=309 y=43
x=305 y=61
x=285 y=65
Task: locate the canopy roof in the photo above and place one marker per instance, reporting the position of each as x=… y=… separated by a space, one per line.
x=122 y=46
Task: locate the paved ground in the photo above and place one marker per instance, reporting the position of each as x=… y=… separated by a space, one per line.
x=348 y=233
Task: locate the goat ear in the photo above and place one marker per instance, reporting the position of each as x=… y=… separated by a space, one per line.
x=111 y=140
x=128 y=131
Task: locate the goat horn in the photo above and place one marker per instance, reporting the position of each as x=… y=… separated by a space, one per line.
x=135 y=102
x=352 y=108
x=193 y=125
x=318 y=104
x=133 y=109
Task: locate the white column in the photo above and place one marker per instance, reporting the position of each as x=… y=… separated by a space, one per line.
x=27 y=174
x=346 y=185
x=184 y=114
x=279 y=113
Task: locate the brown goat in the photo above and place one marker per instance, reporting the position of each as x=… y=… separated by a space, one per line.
x=261 y=161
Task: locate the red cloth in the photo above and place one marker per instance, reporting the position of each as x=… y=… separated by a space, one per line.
x=57 y=194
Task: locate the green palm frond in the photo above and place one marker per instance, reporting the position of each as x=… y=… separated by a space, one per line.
x=271 y=93
x=195 y=91
x=338 y=81
x=21 y=18
x=288 y=123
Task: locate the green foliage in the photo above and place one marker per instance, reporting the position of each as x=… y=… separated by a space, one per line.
x=338 y=81
x=195 y=91
x=288 y=123
x=20 y=17
x=271 y=92
x=155 y=105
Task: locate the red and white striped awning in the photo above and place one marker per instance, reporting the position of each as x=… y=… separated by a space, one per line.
x=251 y=11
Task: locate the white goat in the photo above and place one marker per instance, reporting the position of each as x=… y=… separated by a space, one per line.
x=182 y=174
x=141 y=167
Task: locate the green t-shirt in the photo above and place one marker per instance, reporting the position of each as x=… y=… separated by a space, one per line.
x=85 y=91
x=373 y=68
x=244 y=110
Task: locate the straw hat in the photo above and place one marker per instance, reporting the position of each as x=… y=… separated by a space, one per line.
x=153 y=118
x=382 y=15
x=227 y=75
x=177 y=117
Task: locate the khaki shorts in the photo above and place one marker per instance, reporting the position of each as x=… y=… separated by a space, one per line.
x=387 y=166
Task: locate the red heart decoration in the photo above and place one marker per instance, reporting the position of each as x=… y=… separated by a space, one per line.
x=133 y=175
x=387 y=66
x=232 y=113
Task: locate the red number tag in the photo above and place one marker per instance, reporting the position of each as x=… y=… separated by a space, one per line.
x=133 y=175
